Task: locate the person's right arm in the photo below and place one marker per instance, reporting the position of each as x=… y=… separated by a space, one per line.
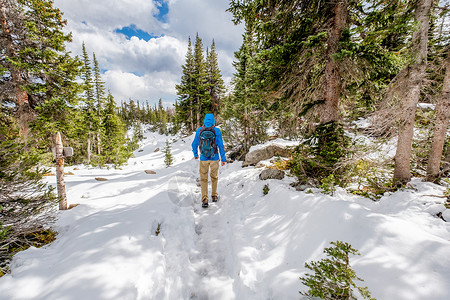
x=195 y=144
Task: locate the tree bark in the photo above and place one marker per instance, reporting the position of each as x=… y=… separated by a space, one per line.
x=440 y=127
x=330 y=110
x=24 y=111
x=415 y=75
x=199 y=110
x=191 y=114
x=88 y=150
x=99 y=146
x=60 y=184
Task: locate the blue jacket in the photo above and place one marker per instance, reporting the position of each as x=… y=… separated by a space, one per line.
x=209 y=121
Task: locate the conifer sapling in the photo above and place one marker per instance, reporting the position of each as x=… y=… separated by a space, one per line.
x=333 y=277
x=168 y=159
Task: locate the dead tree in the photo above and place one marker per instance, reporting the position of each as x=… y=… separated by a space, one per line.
x=440 y=128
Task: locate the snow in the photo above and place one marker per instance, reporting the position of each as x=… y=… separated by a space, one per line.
x=426 y=106
x=246 y=246
x=278 y=141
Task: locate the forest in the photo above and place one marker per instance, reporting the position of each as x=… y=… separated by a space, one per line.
x=308 y=71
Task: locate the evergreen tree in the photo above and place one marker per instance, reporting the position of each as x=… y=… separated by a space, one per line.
x=333 y=276
x=440 y=128
x=214 y=79
x=168 y=158
x=115 y=149
x=201 y=86
x=201 y=99
x=27 y=204
x=90 y=116
x=310 y=58
x=35 y=66
x=99 y=96
x=412 y=79
x=246 y=104
x=185 y=91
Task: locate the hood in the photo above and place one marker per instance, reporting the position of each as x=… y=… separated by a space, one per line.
x=209 y=120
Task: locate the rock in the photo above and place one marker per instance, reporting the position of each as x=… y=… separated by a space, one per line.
x=156 y=150
x=260 y=165
x=142 y=150
x=254 y=157
x=446 y=215
x=300 y=186
x=150 y=172
x=100 y=179
x=271 y=174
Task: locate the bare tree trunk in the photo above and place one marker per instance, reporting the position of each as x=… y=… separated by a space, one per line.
x=215 y=103
x=88 y=149
x=60 y=184
x=330 y=110
x=191 y=114
x=199 y=109
x=440 y=127
x=415 y=75
x=99 y=147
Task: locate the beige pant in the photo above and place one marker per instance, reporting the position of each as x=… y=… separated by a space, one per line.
x=204 y=169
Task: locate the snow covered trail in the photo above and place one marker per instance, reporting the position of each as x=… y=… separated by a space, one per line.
x=246 y=246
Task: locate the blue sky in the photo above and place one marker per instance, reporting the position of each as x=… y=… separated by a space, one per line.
x=141 y=44
x=132 y=30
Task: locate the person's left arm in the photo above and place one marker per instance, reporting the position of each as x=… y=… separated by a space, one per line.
x=221 y=147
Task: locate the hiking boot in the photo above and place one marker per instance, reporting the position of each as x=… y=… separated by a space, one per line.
x=215 y=198
x=205 y=203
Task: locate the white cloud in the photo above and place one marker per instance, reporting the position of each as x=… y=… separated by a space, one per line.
x=149 y=70
x=149 y=87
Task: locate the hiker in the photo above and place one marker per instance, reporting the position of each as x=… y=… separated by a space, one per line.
x=209 y=139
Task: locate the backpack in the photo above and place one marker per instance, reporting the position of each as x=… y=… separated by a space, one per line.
x=208 y=147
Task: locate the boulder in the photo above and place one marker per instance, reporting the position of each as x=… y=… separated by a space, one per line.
x=271 y=174
x=150 y=172
x=156 y=150
x=100 y=179
x=254 y=157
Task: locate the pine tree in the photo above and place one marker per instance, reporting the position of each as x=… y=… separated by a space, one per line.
x=115 y=149
x=214 y=79
x=202 y=101
x=333 y=276
x=35 y=66
x=440 y=128
x=309 y=58
x=185 y=91
x=200 y=81
x=246 y=104
x=412 y=79
x=99 y=96
x=168 y=158
x=89 y=106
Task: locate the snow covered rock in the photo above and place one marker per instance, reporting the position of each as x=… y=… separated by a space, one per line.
x=254 y=157
x=271 y=174
x=446 y=215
